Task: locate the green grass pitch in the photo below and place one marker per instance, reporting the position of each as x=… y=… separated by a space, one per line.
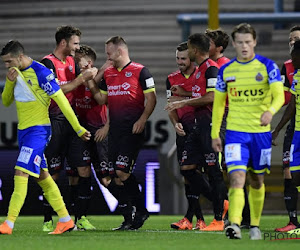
x=155 y=234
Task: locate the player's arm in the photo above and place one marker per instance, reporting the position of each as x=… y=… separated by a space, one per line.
x=289 y=112
x=178 y=90
x=86 y=75
x=277 y=102
x=147 y=83
x=100 y=73
x=8 y=92
x=101 y=133
x=66 y=109
x=286 y=85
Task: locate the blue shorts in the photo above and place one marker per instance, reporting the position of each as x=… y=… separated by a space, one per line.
x=248 y=151
x=295 y=153
x=32 y=144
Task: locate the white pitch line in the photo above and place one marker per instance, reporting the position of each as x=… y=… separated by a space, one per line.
x=181 y=231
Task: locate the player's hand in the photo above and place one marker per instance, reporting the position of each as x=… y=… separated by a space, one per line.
x=101 y=133
x=138 y=126
x=266 y=118
x=89 y=74
x=274 y=136
x=178 y=90
x=217 y=145
x=179 y=129
x=107 y=64
x=12 y=74
x=174 y=105
x=86 y=136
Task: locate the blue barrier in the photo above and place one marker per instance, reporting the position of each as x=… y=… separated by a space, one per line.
x=186 y=20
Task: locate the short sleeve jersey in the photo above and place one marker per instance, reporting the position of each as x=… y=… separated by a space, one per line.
x=125 y=89
x=248 y=87
x=64 y=72
x=287 y=73
x=204 y=81
x=88 y=110
x=32 y=92
x=186 y=114
x=222 y=60
x=295 y=89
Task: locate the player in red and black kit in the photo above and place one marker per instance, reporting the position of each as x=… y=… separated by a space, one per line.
x=183 y=121
x=125 y=86
x=63 y=140
x=290 y=191
x=197 y=148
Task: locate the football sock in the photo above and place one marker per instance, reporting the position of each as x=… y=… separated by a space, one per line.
x=18 y=197
x=84 y=195
x=291 y=199
x=124 y=205
x=132 y=187
x=53 y=195
x=114 y=189
x=72 y=202
x=48 y=210
x=236 y=204
x=194 y=207
x=256 y=203
x=246 y=210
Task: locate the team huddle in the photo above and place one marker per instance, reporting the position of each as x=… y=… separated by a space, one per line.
x=76 y=116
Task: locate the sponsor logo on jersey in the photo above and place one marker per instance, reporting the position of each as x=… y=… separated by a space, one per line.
x=247 y=92
x=230 y=79
x=125 y=85
x=37 y=160
x=50 y=77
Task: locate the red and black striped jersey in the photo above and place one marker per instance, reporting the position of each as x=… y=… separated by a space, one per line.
x=287 y=74
x=125 y=90
x=205 y=81
x=89 y=112
x=186 y=114
x=64 y=72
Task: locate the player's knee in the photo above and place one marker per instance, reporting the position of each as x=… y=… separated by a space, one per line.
x=123 y=176
x=188 y=173
x=84 y=171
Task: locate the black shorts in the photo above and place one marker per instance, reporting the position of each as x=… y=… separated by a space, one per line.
x=197 y=147
x=123 y=149
x=63 y=145
x=288 y=137
x=180 y=141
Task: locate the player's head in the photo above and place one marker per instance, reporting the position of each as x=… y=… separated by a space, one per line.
x=295 y=54
x=294 y=35
x=218 y=41
x=12 y=54
x=68 y=37
x=198 y=44
x=182 y=58
x=116 y=49
x=85 y=56
x=244 y=41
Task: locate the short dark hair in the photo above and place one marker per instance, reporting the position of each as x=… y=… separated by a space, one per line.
x=219 y=37
x=182 y=46
x=200 y=41
x=243 y=28
x=14 y=47
x=86 y=50
x=116 y=40
x=66 y=32
x=295 y=28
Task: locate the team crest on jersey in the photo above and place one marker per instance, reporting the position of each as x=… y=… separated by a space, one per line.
x=128 y=74
x=259 y=77
x=198 y=75
x=71 y=68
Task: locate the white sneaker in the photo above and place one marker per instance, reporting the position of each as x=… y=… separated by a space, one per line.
x=233 y=232
x=255 y=233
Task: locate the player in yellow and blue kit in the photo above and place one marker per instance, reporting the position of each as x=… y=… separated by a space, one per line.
x=255 y=93
x=32 y=86
x=293 y=110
